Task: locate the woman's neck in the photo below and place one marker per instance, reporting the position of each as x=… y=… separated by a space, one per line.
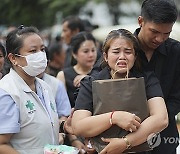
x=82 y=70
x=30 y=81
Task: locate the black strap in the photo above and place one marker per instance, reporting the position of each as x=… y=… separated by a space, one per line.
x=61 y=128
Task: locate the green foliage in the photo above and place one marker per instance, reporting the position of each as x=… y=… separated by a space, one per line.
x=27 y=12
x=42 y=13
x=67 y=7
x=39 y=13
x=113 y=6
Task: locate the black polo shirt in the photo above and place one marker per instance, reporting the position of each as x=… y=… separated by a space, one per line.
x=165 y=62
x=84 y=100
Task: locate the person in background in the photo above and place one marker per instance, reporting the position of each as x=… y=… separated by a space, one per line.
x=120 y=52
x=71 y=25
x=83 y=46
x=28 y=113
x=61 y=98
x=2 y=59
x=56 y=59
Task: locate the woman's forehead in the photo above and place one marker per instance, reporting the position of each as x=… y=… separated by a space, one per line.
x=120 y=41
x=32 y=39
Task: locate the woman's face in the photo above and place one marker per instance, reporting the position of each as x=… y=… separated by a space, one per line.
x=1 y=60
x=86 y=54
x=121 y=55
x=31 y=44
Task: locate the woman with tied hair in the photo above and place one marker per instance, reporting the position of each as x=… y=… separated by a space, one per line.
x=120 y=51
x=28 y=113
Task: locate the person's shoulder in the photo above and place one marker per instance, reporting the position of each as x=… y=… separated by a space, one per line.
x=150 y=77
x=6 y=100
x=88 y=79
x=3 y=93
x=145 y=74
x=43 y=83
x=48 y=78
x=172 y=43
x=101 y=75
x=148 y=74
x=6 y=77
x=67 y=69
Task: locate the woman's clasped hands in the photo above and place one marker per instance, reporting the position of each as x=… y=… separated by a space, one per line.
x=128 y=121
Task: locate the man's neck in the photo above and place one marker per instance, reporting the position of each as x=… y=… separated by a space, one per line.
x=148 y=51
x=55 y=65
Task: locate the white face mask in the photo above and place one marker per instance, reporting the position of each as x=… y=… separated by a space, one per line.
x=36 y=63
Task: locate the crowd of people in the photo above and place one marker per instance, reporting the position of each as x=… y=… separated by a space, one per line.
x=46 y=92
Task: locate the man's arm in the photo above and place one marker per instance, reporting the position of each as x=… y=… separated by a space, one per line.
x=173 y=97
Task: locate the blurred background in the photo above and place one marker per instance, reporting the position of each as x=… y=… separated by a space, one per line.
x=47 y=15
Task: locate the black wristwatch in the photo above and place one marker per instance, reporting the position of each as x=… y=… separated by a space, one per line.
x=61 y=127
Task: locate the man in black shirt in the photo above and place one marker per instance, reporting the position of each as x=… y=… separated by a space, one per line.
x=71 y=25
x=161 y=54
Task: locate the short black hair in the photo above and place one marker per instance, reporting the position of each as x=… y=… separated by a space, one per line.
x=159 y=11
x=74 y=23
x=15 y=38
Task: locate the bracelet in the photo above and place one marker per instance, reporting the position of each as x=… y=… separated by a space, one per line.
x=76 y=139
x=61 y=127
x=128 y=145
x=110 y=120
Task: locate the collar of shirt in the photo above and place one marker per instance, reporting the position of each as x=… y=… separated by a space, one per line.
x=39 y=92
x=105 y=73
